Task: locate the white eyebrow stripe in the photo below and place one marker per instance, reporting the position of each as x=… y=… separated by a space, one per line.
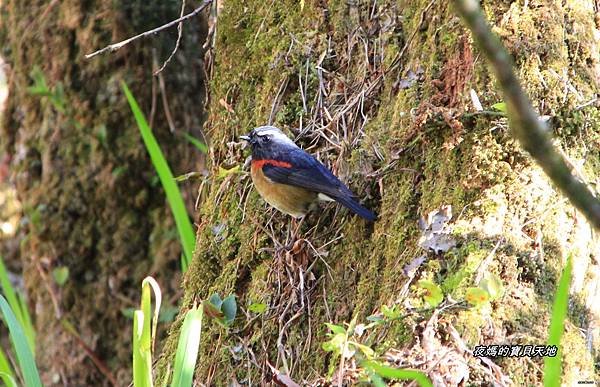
x=275 y=134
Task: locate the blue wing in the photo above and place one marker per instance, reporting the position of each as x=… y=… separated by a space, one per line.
x=307 y=172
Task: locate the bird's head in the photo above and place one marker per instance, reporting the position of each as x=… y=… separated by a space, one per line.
x=266 y=140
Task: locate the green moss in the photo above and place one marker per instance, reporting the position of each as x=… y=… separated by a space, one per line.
x=491 y=185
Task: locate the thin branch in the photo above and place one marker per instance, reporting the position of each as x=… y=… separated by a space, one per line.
x=116 y=46
x=523 y=119
x=179 y=33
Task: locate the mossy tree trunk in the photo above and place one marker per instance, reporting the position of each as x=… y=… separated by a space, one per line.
x=91 y=199
x=379 y=91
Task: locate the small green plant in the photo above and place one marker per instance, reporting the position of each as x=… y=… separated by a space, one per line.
x=388 y=314
x=344 y=344
x=433 y=293
x=222 y=310
x=257 y=307
x=144 y=333
x=553 y=365
x=182 y=220
x=489 y=289
x=500 y=106
x=56 y=94
x=145 y=322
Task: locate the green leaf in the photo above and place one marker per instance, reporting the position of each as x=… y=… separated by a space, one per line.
x=184 y=262
x=390 y=313
x=553 y=365
x=376 y=319
x=215 y=299
x=226 y=172
x=18 y=306
x=182 y=220
x=148 y=283
x=376 y=379
x=60 y=275
x=257 y=308
x=39 y=83
x=229 y=309
x=493 y=285
x=336 y=329
x=477 y=296
x=336 y=344
x=8 y=379
x=434 y=295
x=8 y=290
x=144 y=333
x=25 y=357
x=211 y=310
x=500 y=106
x=187 y=349
x=5 y=367
x=366 y=350
x=397 y=374
x=142 y=358
x=195 y=142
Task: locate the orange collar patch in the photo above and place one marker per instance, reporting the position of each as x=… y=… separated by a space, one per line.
x=275 y=163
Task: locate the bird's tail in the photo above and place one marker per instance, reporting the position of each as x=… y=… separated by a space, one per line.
x=359 y=210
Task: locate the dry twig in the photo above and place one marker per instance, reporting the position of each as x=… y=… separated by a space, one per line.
x=179 y=34
x=116 y=46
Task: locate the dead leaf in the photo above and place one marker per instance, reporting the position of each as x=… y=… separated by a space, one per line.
x=227 y=106
x=281 y=379
x=436 y=231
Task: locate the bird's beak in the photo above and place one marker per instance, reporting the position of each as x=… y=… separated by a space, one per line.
x=245 y=138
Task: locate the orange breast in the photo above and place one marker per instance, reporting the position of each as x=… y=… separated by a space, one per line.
x=286 y=198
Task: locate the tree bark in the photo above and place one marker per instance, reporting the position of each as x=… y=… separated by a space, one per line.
x=380 y=92
x=90 y=196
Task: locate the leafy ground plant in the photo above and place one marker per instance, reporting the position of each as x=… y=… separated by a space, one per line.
x=144 y=335
x=344 y=345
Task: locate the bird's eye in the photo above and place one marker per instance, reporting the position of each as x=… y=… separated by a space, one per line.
x=265 y=139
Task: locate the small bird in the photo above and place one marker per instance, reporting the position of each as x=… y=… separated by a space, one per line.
x=290 y=179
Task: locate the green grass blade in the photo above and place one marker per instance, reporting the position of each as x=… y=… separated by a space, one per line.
x=8 y=379
x=24 y=355
x=187 y=348
x=142 y=359
x=9 y=292
x=27 y=323
x=5 y=364
x=18 y=306
x=144 y=333
x=148 y=283
x=396 y=373
x=182 y=220
x=184 y=263
x=553 y=365
x=197 y=143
